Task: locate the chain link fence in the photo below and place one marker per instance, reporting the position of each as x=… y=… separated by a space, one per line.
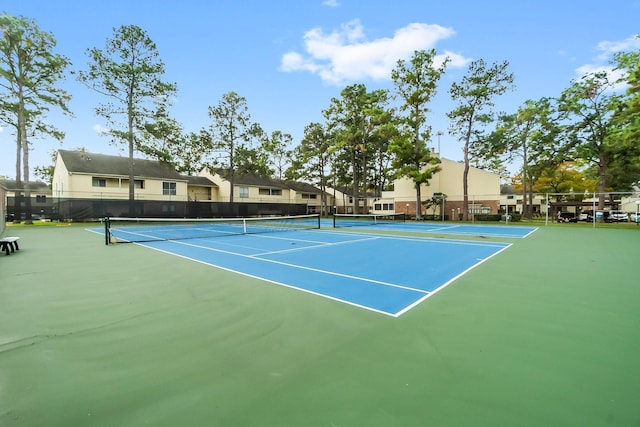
x=78 y=209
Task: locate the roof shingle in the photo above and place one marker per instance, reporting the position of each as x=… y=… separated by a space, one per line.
x=103 y=164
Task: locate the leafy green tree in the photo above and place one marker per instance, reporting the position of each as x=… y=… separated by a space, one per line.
x=381 y=155
x=191 y=151
x=474 y=95
x=529 y=136
x=252 y=159
x=624 y=170
x=310 y=160
x=129 y=72
x=355 y=119
x=29 y=73
x=438 y=199
x=588 y=106
x=45 y=173
x=232 y=135
x=562 y=179
x=416 y=84
x=163 y=138
x=628 y=113
x=276 y=149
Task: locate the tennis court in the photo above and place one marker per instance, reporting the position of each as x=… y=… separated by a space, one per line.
x=391 y=223
x=545 y=333
x=385 y=274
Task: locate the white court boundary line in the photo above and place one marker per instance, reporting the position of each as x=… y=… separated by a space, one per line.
x=301 y=267
x=434 y=229
x=450 y=281
x=502 y=247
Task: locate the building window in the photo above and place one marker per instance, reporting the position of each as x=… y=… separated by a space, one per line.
x=138 y=183
x=309 y=196
x=270 y=192
x=168 y=188
x=383 y=206
x=99 y=182
x=244 y=192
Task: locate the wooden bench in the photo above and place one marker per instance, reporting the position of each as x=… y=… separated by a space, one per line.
x=9 y=244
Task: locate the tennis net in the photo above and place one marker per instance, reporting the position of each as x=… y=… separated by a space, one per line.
x=127 y=230
x=360 y=220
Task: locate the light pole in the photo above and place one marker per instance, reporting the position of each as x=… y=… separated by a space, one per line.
x=439 y=134
x=406 y=214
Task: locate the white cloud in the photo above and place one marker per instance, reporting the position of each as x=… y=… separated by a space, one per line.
x=331 y=3
x=100 y=130
x=347 y=55
x=613 y=75
x=601 y=63
x=609 y=48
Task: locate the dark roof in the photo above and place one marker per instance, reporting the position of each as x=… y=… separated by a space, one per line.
x=199 y=180
x=255 y=180
x=508 y=189
x=103 y=164
x=303 y=187
x=12 y=185
x=252 y=179
x=349 y=191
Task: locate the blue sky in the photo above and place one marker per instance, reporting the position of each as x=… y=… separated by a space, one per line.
x=289 y=58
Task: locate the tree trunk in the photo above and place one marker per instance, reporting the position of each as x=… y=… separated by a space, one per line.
x=356 y=183
x=465 y=183
x=132 y=208
x=28 y=218
x=418 y=199
x=16 y=205
x=602 y=172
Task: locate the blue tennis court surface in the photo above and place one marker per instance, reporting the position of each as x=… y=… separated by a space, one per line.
x=511 y=231
x=385 y=274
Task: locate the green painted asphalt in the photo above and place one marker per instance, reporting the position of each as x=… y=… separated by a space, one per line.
x=547 y=333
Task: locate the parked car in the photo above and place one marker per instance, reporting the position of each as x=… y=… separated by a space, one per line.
x=609 y=216
x=633 y=217
x=584 y=216
x=566 y=217
x=618 y=216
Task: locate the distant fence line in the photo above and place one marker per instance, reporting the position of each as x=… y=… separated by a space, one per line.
x=86 y=208
x=91 y=209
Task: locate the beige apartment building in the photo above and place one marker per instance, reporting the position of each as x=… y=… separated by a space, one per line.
x=252 y=188
x=483 y=192
x=82 y=175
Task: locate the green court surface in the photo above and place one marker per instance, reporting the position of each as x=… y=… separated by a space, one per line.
x=547 y=333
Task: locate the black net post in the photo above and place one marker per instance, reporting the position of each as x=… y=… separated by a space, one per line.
x=107 y=238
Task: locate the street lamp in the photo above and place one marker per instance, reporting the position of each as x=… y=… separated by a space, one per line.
x=439 y=134
x=406 y=214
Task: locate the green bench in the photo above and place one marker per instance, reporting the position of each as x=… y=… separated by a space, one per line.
x=9 y=244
